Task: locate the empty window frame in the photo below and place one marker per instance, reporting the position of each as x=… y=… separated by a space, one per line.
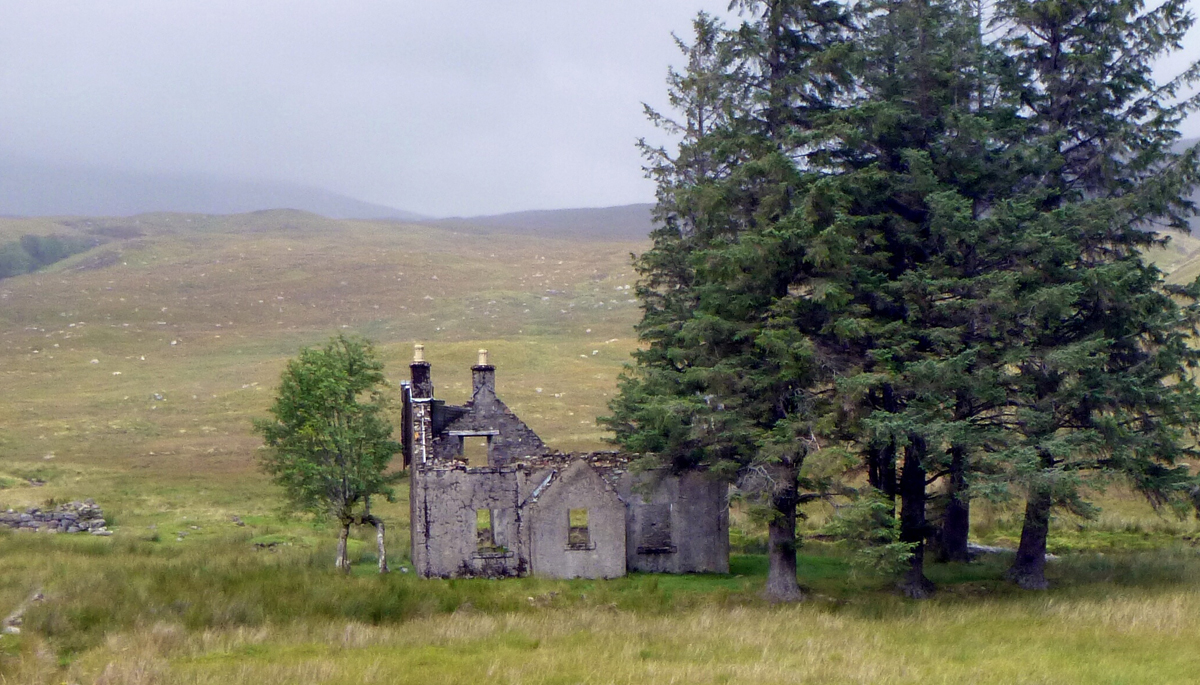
x=490 y=526
x=475 y=449
x=654 y=529
x=485 y=534
x=578 y=534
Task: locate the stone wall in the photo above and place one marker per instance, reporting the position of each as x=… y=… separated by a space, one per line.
x=596 y=549
x=508 y=436
x=676 y=524
x=72 y=517
x=446 y=504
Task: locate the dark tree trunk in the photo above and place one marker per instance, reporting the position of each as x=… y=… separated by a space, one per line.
x=782 y=585
x=913 y=526
x=881 y=468
x=1029 y=569
x=956 y=522
x=343 y=553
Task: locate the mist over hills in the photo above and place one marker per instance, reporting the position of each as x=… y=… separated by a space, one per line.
x=42 y=190
x=623 y=222
x=31 y=189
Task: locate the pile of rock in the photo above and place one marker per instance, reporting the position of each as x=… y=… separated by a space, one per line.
x=72 y=517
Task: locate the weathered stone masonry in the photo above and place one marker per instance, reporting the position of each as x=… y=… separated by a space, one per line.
x=531 y=511
x=72 y=517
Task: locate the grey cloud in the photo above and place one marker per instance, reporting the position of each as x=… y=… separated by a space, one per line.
x=455 y=107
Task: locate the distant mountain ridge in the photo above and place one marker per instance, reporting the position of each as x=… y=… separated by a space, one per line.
x=622 y=222
x=29 y=189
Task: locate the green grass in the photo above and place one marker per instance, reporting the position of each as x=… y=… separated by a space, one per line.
x=129 y=611
x=182 y=594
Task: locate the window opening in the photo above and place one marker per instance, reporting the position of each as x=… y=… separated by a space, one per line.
x=490 y=526
x=654 y=529
x=475 y=450
x=578 y=536
x=485 y=532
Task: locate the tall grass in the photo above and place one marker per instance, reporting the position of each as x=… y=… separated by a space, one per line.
x=220 y=611
x=287 y=621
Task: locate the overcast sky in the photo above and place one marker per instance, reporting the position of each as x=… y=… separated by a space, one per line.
x=444 y=107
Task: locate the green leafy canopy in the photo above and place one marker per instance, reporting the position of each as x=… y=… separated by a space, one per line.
x=328 y=443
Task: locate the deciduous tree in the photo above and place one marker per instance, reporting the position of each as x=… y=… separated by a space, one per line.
x=328 y=443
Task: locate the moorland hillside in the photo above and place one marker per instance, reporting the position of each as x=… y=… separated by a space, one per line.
x=131 y=372
x=624 y=222
x=203 y=310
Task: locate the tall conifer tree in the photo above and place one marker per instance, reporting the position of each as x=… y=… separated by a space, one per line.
x=715 y=386
x=883 y=235
x=1104 y=366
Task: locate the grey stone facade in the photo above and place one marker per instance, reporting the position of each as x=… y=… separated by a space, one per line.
x=675 y=523
x=529 y=511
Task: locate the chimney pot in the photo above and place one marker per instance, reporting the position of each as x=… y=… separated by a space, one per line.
x=483 y=374
x=422 y=381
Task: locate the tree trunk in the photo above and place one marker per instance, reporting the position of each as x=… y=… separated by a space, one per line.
x=912 y=520
x=1029 y=569
x=369 y=520
x=956 y=522
x=343 y=553
x=782 y=585
x=881 y=468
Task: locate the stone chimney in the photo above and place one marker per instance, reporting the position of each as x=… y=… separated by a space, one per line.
x=422 y=381
x=483 y=374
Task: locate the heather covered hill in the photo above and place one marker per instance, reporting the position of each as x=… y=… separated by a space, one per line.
x=196 y=307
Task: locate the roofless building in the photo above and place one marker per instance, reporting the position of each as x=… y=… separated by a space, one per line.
x=490 y=499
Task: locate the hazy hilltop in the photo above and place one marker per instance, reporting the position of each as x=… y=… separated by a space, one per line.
x=624 y=222
x=31 y=189
x=39 y=190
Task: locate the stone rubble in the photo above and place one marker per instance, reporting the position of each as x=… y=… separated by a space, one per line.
x=72 y=517
x=12 y=624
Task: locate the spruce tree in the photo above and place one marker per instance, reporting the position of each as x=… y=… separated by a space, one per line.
x=884 y=236
x=718 y=386
x=919 y=166
x=1103 y=382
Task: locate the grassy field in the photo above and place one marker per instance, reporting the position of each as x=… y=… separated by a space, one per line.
x=130 y=375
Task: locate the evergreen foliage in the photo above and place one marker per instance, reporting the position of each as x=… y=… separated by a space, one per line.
x=716 y=387
x=1103 y=380
x=908 y=236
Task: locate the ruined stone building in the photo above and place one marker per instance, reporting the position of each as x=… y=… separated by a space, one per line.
x=490 y=499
